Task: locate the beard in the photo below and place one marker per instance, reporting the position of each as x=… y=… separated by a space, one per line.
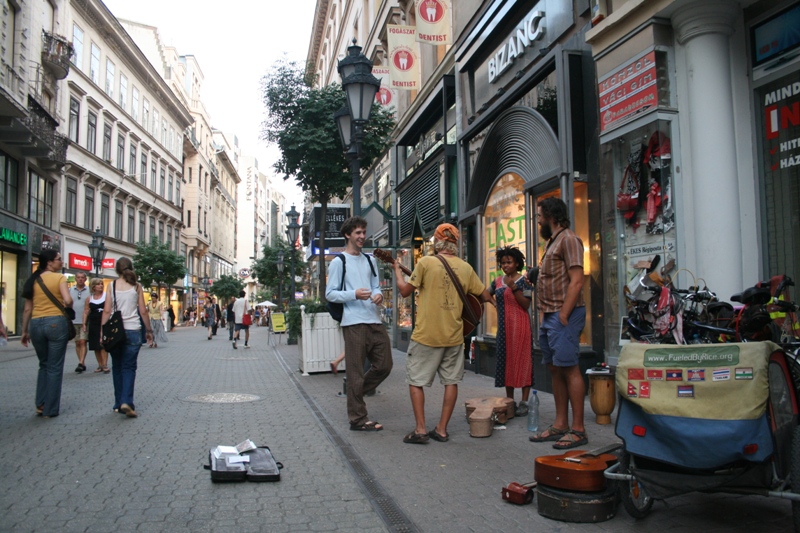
x=546 y=230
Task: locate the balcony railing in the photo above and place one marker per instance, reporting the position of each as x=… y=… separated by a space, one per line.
x=47 y=143
x=56 y=54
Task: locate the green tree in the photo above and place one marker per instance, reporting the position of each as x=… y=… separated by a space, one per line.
x=156 y=264
x=265 y=269
x=225 y=287
x=300 y=122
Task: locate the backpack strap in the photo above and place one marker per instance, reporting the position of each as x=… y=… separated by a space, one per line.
x=371 y=268
x=344 y=269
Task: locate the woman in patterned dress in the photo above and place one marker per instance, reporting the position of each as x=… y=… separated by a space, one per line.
x=514 y=347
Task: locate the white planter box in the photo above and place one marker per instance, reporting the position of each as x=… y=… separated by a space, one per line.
x=320 y=343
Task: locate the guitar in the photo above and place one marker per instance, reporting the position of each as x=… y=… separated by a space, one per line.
x=575 y=469
x=472 y=300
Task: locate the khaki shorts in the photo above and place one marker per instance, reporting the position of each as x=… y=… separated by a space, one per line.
x=424 y=362
x=81 y=335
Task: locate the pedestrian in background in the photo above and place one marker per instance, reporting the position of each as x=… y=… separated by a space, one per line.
x=210 y=316
x=92 y=316
x=230 y=317
x=80 y=295
x=171 y=314
x=514 y=350
x=365 y=337
x=240 y=309
x=217 y=316
x=437 y=343
x=126 y=296
x=46 y=326
x=560 y=300
x=156 y=325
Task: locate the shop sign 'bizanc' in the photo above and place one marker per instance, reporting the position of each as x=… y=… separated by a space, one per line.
x=530 y=30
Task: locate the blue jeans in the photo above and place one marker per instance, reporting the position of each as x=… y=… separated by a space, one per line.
x=123 y=370
x=49 y=336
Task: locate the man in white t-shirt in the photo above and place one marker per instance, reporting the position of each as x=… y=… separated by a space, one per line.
x=80 y=295
x=240 y=309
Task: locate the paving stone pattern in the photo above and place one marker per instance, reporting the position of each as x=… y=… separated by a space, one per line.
x=93 y=470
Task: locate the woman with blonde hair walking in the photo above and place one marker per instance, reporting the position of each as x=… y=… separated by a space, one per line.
x=126 y=296
x=91 y=323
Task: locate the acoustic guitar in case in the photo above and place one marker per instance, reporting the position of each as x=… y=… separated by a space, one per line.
x=470 y=320
x=575 y=469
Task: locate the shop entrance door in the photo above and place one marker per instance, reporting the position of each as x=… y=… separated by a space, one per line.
x=575 y=195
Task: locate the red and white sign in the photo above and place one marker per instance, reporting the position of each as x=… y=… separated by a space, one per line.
x=403 y=57
x=631 y=90
x=80 y=262
x=109 y=263
x=385 y=96
x=433 y=21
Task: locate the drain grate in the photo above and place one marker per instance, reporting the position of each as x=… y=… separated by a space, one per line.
x=223 y=397
x=394 y=517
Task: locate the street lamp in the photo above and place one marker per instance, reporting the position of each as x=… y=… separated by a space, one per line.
x=359 y=86
x=205 y=283
x=98 y=251
x=293 y=232
x=279 y=264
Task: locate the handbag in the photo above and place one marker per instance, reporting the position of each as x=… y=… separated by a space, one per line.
x=71 y=331
x=247 y=319
x=628 y=195
x=113 y=330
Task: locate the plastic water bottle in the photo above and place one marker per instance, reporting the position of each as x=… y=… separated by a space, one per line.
x=533 y=412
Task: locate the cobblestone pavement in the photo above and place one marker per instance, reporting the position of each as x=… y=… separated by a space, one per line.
x=93 y=470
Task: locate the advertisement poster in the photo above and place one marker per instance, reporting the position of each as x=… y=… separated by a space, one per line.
x=404 y=71
x=433 y=21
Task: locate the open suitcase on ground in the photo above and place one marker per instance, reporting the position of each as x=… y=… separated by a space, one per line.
x=261 y=467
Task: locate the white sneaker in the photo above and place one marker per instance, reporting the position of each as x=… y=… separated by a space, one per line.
x=246 y=347
x=234 y=345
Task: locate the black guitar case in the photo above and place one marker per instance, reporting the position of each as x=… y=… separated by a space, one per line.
x=262 y=467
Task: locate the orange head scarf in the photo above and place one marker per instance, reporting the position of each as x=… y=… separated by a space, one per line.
x=446 y=232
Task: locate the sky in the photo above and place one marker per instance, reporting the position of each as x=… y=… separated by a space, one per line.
x=235 y=42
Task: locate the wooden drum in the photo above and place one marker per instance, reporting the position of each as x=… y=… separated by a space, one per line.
x=602 y=396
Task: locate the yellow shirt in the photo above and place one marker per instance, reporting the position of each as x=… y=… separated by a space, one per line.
x=42 y=306
x=439 y=307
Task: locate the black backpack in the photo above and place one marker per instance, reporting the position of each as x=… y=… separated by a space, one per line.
x=337 y=309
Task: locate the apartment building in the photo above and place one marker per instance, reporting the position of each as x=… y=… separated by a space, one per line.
x=124 y=161
x=223 y=200
x=34 y=60
x=260 y=218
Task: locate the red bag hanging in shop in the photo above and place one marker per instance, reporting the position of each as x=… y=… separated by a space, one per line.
x=653 y=202
x=628 y=195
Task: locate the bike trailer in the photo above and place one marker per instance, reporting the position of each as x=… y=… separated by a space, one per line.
x=695 y=406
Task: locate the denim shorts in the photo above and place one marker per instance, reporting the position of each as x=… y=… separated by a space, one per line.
x=561 y=344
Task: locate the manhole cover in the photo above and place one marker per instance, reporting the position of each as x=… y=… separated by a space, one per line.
x=223 y=397
x=237 y=358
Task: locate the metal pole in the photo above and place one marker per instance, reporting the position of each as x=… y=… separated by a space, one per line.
x=291 y=296
x=355 y=173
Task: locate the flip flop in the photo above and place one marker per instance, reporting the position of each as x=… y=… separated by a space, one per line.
x=567 y=441
x=367 y=426
x=98 y=370
x=436 y=436
x=552 y=434
x=334 y=369
x=416 y=438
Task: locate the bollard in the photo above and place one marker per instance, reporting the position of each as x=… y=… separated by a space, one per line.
x=344 y=386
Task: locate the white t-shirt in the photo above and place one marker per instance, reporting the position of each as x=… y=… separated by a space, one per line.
x=240 y=307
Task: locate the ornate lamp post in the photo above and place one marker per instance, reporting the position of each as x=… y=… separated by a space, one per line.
x=97 y=251
x=360 y=87
x=279 y=264
x=293 y=232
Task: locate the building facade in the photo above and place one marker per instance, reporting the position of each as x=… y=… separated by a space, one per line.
x=35 y=56
x=125 y=126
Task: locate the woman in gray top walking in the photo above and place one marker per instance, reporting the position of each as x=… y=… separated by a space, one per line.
x=125 y=295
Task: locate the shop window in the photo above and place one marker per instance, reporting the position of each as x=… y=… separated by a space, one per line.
x=9 y=183
x=543 y=97
x=8 y=290
x=638 y=166
x=504 y=225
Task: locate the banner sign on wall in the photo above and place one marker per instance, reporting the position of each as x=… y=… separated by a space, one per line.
x=80 y=262
x=385 y=95
x=109 y=263
x=404 y=71
x=433 y=21
x=629 y=91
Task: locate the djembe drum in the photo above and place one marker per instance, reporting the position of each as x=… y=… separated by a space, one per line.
x=602 y=395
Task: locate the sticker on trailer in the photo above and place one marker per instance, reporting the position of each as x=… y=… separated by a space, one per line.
x=675 y=375
x=744 y=373
x=722 y=374
x=696 y=374
x=655 y=375
x=636 y=374
x=685 y=391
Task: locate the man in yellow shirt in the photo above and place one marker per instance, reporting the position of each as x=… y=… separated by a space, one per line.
x=437 y=343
